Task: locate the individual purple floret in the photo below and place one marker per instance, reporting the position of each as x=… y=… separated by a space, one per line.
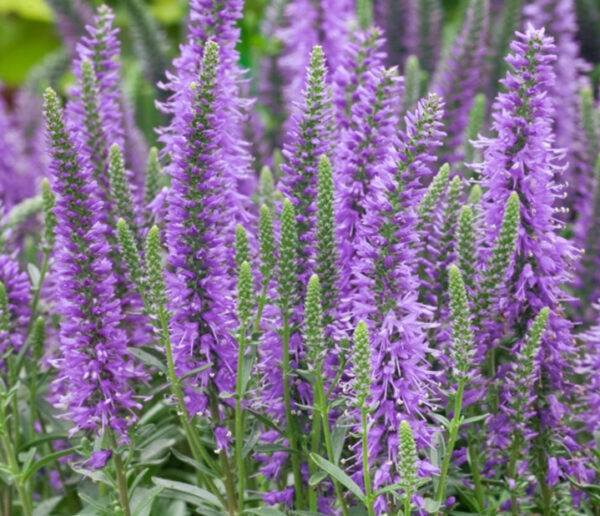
x=95 y=369
x=521 y=158
x=460 y=76
x=199 y=219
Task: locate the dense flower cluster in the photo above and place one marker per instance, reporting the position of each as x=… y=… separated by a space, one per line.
x=369 y=293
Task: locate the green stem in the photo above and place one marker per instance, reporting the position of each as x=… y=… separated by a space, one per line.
x=36 y=295
x=314 y=448
x=453 y=433
x=289 y=416
x=262 y=301
x=226 y=470
x=324 y=411
x=365 y=462
x=407 y=502
x=511 y=474
x=239 y=432
x=196 y=447
x=14 y=467
x=476 y=478
x=121 y=477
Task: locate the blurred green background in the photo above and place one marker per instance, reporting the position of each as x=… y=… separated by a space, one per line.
x=27 y=32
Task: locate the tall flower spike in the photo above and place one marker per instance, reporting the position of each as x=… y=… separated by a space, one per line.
x=326 y=244
x=465 y=240
x=210 y=23
x=501 y=258
x=199 y=223
x=245 y=292
x=242 y=248
x=361 y=362
x=432 y=197
x=521 y=158
x=308 y=140
x=313 y=317
x=288 y=286
x=309 y=23
x=48 y=202
x=267 y=244
x=154 y=267
x=462 y=333
x=94 y=365
x=558 y=16
x=96 y=105
x=407 y=463
x=130 y=253
x=460 y=76
x=267 y=188
x=120 y=192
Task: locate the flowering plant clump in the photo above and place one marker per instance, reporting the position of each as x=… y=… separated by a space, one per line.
x=350 y=270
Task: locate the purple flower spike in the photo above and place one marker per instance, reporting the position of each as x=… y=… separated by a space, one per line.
x=198 y=221
x=521 y=158
x=94 y=366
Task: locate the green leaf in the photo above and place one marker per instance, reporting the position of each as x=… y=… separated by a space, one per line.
x=317 y=478
x=148 y=359
x=28 y=473
x=265 y=511
x=444 y=421
x=156 y=447
x=34 y=275
x=473 y=419
x=338 y=436
x=196 y=371
x=431 y=506
x=96 y=504
x=142 y=500
x=339 y=475
x=46 y=507
x=194 y=463
x=181 y=487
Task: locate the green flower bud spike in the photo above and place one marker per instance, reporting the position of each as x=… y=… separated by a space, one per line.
x=242 y=249
x=267 y=259
x=154 y=269
x=362 y=391
x=315 y=346
x=48 y=201
x=131 y=255
x=432 y=196
x=5 y=324
x=465 y=239
x=267 y=188
x=493 y=275
x=288 y=274
x=524 y=373
x=121 y=193
x=313 y=332
x=245 y=292
x=326 y=244
x=462 y=351
x=407 y=464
